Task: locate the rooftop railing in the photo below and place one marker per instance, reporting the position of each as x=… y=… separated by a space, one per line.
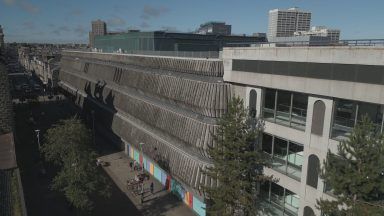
x=185 y=54
x=360 y=42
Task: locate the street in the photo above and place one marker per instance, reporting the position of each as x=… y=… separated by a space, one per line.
x=37 y=175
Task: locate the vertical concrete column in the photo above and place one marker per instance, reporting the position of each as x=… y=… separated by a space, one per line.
x=317 y=143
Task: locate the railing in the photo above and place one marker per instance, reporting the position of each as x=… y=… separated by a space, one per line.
x=361 y=42
x=185 y=54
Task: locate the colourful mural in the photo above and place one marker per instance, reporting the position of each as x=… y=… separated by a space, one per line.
x=169 y=183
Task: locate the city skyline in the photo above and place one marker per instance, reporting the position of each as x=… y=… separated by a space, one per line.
x=70 y=21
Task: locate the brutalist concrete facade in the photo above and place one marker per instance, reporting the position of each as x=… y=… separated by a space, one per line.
x=171 y=104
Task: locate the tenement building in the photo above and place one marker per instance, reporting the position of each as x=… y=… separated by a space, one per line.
x=310 y=99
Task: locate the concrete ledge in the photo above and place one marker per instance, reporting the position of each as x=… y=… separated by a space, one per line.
x=204 y=67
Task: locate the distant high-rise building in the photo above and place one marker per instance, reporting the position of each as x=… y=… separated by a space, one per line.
x=218 y=28
x=283 y=23
x=1 y=38
x=98 y=28
x=333 y=35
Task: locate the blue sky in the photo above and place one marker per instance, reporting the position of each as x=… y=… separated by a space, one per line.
x=58 y=21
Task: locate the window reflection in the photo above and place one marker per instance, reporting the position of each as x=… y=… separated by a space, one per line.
x=286 y=108
x=267 y=143
x=348 y=113
x=269 y=104
x=287 y=155
x=280 y=154
x=282 y=201
x=299 y=110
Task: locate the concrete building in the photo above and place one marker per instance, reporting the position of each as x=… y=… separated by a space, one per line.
x=283 y=23
x=98 y=28
x=215 y=28
x=161 y=110
x=302 y=40
x=1 y=38
x=146 y=42
x=310 y=99
x=332 y=34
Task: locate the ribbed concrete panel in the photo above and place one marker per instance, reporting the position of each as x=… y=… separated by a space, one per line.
x=177 y=89
x=168 y=121
x=171 y=104
x=204 y=67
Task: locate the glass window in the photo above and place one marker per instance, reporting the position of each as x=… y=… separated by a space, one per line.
x=277 y=194
x=299 y=110
x=348 y=113
x=284 y=201
x=267 y=143
x=344 y=117
x=283 y=107
x=291 y=202
x=374 y=112
x=295 y=159
x=280 y=154
x=264 y=190
x=269 y=104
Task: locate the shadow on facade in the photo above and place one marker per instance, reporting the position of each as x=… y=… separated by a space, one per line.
x=98 y=111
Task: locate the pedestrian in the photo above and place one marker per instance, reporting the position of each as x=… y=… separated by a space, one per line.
x=131 y=165
x=98 y=162
x=152 y=187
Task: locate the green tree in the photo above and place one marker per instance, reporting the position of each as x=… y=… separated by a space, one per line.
x=356 y=173
x=237 y=164
x=67 y=145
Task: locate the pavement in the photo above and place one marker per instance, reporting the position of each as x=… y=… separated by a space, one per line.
x=40 y=199
x=161 y=202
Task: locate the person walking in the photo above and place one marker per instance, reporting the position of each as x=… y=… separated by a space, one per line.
x=131 y=165
x=152 y=187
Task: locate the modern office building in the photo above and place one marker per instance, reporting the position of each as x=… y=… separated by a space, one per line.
x=283 y=23
x=215 y=28
x=310 y=99
x=98 y=28
x=166 y=41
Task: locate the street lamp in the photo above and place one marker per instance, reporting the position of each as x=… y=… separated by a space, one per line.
x=37 y=131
